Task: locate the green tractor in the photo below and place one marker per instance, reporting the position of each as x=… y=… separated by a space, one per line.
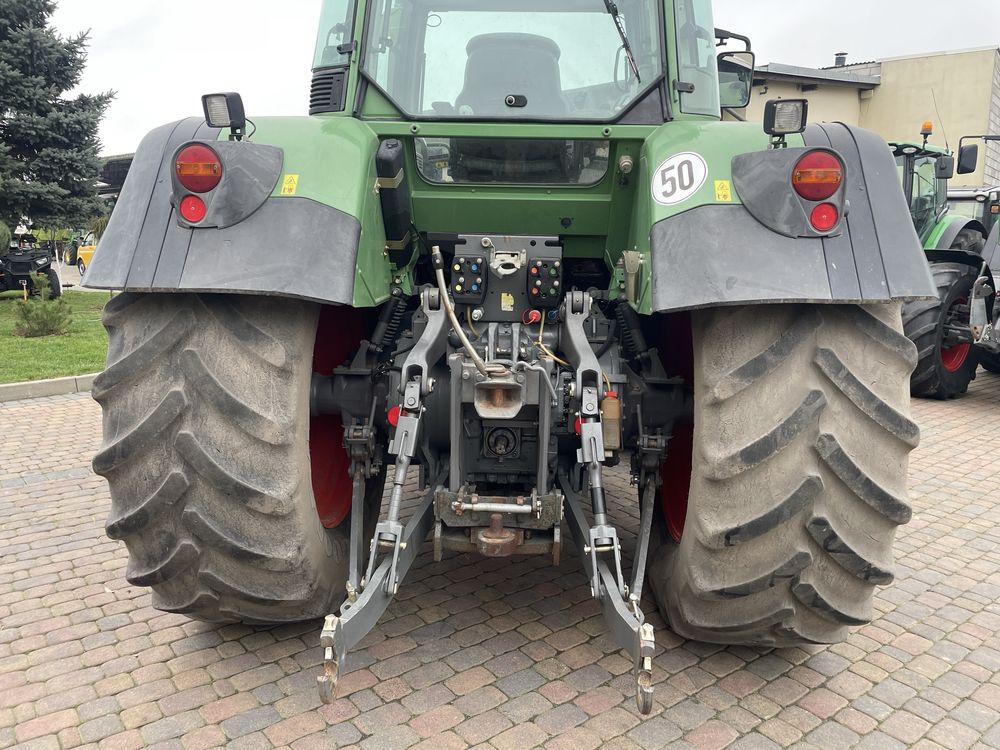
x=950 y=348
x=981 y=204
x=512 y=245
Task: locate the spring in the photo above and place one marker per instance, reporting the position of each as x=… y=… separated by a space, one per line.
x=630 y=332
x=389 y=323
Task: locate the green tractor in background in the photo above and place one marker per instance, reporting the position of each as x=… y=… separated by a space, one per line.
x=512 y=245
x=950 y=350
x=983 y=205
x=979 y=203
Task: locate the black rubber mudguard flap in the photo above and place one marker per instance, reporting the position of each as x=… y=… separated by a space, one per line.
x=292 y=247
x=721 y=255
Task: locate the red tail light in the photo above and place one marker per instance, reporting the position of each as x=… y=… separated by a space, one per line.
x=198 y=168
x=193 y=209
x=824 y=217
x=817 y=175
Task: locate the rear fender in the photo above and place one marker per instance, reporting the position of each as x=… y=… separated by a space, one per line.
x=952 y=227
x=716 y=252
x=272 y=227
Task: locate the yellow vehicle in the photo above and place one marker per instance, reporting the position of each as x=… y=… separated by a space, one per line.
x=85 y=252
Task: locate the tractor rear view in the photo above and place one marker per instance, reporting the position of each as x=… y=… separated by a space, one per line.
x=508 y=276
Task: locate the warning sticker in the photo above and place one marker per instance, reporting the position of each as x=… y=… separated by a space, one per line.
x=723 y=191
x=507 y=302
x=290 y=185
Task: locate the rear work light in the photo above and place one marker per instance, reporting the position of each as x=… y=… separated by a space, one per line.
x=199 y=168
x=817 y=175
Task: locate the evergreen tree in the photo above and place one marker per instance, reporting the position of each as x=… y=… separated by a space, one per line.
x=48 y=142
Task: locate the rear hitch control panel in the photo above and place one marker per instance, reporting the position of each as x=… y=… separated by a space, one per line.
x=506 y=276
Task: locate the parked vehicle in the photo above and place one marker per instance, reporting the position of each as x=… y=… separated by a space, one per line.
x=567 y=261
x=979 y=203
x=85 y=252
x=23 y=258
x=954 y=332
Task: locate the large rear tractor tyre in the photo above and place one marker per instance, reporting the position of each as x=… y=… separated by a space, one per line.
x=943 y=371
x=797 y=474
x=207 y=454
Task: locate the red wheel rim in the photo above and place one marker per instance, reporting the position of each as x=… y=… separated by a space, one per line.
x=339 y=332
x=954 y=357
x=675 y=473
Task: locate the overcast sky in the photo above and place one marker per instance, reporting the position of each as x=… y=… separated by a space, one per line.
x=161 y=56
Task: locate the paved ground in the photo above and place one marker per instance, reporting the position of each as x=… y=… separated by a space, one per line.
x=503 y=654
x=69 y=276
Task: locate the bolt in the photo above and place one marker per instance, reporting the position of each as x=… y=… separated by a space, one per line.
x=520 y=378
x=465 y=375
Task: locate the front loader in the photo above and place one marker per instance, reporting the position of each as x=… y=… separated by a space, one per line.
x=511 y=246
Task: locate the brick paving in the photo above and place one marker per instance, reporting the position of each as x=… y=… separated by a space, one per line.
x=505 y=654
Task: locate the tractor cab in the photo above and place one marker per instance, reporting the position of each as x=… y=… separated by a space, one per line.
x=924 y=171
x=497 y=60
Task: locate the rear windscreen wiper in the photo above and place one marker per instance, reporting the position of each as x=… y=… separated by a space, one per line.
x=613 y=10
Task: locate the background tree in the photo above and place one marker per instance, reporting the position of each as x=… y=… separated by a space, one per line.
x=48 y=141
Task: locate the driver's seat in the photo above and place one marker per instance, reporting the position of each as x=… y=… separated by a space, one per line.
x=511 y=63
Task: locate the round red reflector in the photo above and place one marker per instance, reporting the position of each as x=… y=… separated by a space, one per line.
x=824 y=217
x=393 y=416
x=578 y=426
x=193 y=209
x=817 y=175
x=198 y=168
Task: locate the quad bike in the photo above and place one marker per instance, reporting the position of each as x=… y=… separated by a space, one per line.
x=549 y=260
x=22 y=259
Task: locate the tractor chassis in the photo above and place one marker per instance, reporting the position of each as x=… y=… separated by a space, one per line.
x=535 y=519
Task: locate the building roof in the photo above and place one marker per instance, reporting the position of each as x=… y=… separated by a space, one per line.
x=993 y=48
x=816 y=76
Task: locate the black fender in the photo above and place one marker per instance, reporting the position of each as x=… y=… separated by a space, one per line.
x=722 y=255
x=991 y=253
x=972 y=260
x=249 y=243
x=948 y=236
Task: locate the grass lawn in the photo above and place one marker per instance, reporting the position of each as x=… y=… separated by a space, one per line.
x=79 y=352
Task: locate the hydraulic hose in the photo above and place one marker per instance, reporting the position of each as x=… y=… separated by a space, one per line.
x=437 y=260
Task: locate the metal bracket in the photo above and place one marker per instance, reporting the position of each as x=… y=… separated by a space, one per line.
x=574 y=344
x=431 y=345
x=341 y=633
x=625 y=620
x=980 y=323
x=389 y=533
x=648 y=486
x=631 y=263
